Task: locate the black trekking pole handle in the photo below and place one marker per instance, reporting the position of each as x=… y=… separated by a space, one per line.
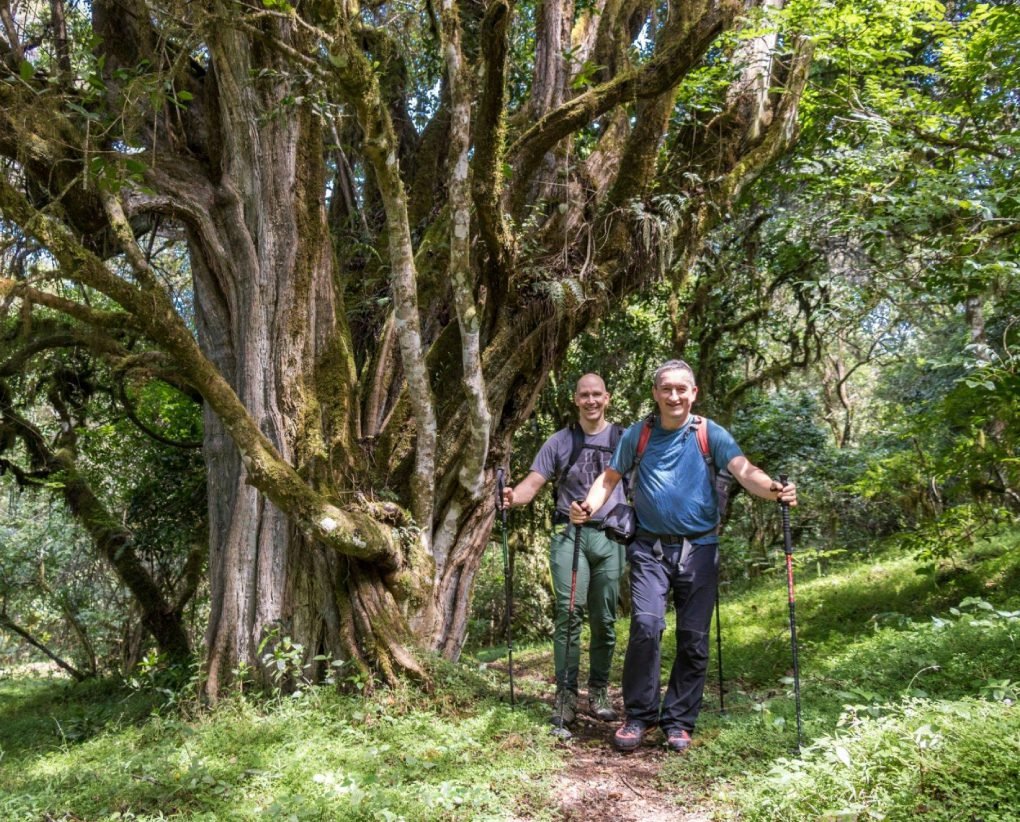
x=507 y=583
x=784 y=508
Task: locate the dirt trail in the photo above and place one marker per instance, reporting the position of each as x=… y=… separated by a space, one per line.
x=599 y=784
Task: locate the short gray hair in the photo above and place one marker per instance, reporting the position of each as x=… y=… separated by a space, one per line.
x=672 y=365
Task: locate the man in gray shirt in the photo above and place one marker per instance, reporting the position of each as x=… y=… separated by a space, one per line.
x=573 y=457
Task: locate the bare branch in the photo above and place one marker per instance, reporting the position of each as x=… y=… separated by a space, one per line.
x=126 y=238
x=10 y=625
x=108 y=320
x=671 y=63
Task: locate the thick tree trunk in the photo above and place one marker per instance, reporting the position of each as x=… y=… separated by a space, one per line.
x=266 y=311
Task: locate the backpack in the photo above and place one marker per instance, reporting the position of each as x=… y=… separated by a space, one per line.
x=721 y=481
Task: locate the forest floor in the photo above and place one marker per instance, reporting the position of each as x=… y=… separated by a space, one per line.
x=872 y=634
x=599 y=783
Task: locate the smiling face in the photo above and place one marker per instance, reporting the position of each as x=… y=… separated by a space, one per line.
x=591 y=399
x=674 y=394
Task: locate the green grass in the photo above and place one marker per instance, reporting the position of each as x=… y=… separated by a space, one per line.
x=323 y=756
x=936 y=759
x=907 y=701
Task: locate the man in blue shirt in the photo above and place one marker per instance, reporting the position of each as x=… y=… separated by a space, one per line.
x=676 y=549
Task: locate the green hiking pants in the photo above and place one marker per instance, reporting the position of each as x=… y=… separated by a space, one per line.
x=599 y=566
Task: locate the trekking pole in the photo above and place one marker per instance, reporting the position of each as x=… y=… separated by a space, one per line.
x=560 y=729
x=718 y=647
x=784 y=507
x=508 y=584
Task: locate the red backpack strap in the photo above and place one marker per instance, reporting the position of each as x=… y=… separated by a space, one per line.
x=701 y=432
x=721 y=481
x=646 y=433
x=642 y=443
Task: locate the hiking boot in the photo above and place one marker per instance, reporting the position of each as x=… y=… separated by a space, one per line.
x=599 y=705
x=630 y=734
x=565 y=708
x=677 y=739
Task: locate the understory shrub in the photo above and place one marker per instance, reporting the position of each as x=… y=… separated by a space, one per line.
x=949 y=760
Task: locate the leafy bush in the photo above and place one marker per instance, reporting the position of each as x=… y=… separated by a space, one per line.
x=948 y=761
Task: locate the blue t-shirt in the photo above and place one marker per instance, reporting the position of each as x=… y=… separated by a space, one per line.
x=673 y=494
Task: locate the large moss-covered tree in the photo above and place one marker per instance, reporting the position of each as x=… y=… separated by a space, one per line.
x=396 y=221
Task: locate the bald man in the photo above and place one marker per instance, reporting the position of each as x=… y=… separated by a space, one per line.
x=572 y=458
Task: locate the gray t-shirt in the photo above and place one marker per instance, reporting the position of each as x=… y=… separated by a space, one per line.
x=554 y=455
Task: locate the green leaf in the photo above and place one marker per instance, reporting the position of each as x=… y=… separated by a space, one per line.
x=26 y=70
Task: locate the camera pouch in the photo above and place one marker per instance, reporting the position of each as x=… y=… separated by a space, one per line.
x=620 y=524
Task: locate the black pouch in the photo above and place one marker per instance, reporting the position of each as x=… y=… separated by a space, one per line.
x=620 y=524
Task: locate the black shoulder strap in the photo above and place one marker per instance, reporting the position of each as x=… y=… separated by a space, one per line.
x=576 y=446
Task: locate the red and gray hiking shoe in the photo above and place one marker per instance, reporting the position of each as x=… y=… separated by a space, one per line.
x=677 y=739
x=630 y=734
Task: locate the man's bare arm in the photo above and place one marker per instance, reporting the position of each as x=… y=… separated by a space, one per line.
x=524 y=492
x=599 y=492
x=759 y=483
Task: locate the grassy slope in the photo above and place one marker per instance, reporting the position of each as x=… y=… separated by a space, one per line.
x=891 y=681
x=919 y=742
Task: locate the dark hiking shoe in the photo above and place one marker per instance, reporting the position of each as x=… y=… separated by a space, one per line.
x=630 y=734
x=564 y=709
x=677 y=739
x=599 y=705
